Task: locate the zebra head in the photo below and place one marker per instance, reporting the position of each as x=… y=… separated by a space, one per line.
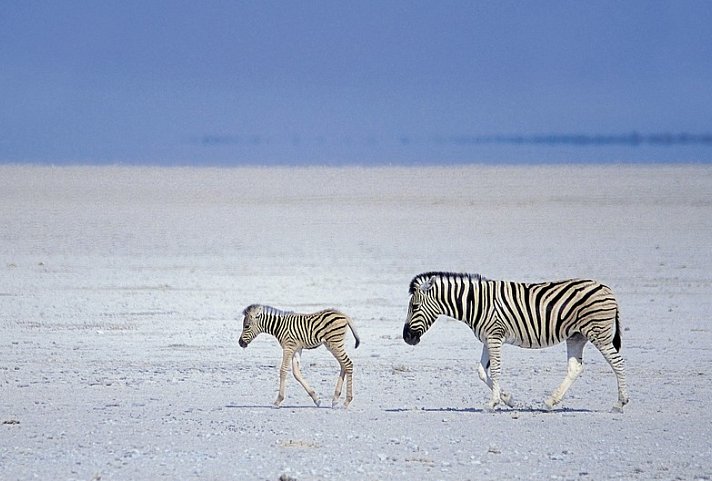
x=423 y=309
x=251 y=325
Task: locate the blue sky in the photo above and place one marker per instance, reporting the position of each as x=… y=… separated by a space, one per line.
x=185 y=82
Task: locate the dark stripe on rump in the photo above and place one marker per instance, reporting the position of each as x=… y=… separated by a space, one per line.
x=576 y=304
x=583 y=303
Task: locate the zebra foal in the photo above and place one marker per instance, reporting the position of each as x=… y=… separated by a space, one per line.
x=303 y=331
x=527 y=315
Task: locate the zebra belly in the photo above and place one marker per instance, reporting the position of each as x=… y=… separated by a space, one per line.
x=533 y=343
x=536 y=336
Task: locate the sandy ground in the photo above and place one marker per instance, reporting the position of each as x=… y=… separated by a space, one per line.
x=121 y=291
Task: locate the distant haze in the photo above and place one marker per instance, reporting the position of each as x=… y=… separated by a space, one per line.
x=396 y=82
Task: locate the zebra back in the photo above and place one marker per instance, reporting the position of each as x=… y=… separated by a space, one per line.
x=545 y=314
x=525 y=314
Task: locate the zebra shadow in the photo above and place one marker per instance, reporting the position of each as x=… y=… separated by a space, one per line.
x=509 y=411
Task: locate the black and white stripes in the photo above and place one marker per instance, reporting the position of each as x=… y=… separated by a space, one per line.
x=295 y=332
x=524 y=314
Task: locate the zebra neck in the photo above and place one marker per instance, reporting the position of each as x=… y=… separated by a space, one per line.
x=481 y=303
x=469 y=303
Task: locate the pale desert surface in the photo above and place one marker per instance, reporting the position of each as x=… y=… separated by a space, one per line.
x=121 y=290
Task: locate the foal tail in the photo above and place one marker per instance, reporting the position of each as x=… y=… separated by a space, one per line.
x=353 y=331
x=617 y=336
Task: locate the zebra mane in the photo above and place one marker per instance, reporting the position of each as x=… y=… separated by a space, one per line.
x=420 y=278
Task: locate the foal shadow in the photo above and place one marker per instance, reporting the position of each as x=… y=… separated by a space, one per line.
x=272 y=407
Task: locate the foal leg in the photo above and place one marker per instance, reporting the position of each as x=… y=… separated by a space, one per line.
x=287 y=354
x=484 y=377
x=297 y=371
x=346 y=373
x=574 y=353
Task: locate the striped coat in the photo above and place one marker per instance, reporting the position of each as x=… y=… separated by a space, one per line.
x=529 y=315
x=295 y=332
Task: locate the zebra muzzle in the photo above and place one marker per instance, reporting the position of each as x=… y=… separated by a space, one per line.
x=242 y=343
x=410 y=336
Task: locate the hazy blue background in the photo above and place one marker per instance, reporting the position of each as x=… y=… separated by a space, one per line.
x=330 y=82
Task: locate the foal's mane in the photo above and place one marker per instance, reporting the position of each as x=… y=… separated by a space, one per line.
x=266 y=309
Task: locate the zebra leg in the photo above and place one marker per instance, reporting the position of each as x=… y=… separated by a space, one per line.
x=297 y=371
x=574 y=353
x=494 y=345
x=346 y=373
x=287 y=354
x=615 y=359
x=484 y=377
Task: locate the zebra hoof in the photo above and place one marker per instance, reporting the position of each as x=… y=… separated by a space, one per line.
x=492 y=405
x=550 y=403
x=317 y=402
x=507 y=399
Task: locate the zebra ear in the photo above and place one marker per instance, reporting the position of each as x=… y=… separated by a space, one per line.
x=427 y=285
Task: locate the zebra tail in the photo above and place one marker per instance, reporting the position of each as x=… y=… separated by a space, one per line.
x=353 y=331
x=617 y=336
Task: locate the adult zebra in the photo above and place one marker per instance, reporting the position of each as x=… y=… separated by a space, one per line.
x=295 y=332
x=526 y=315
